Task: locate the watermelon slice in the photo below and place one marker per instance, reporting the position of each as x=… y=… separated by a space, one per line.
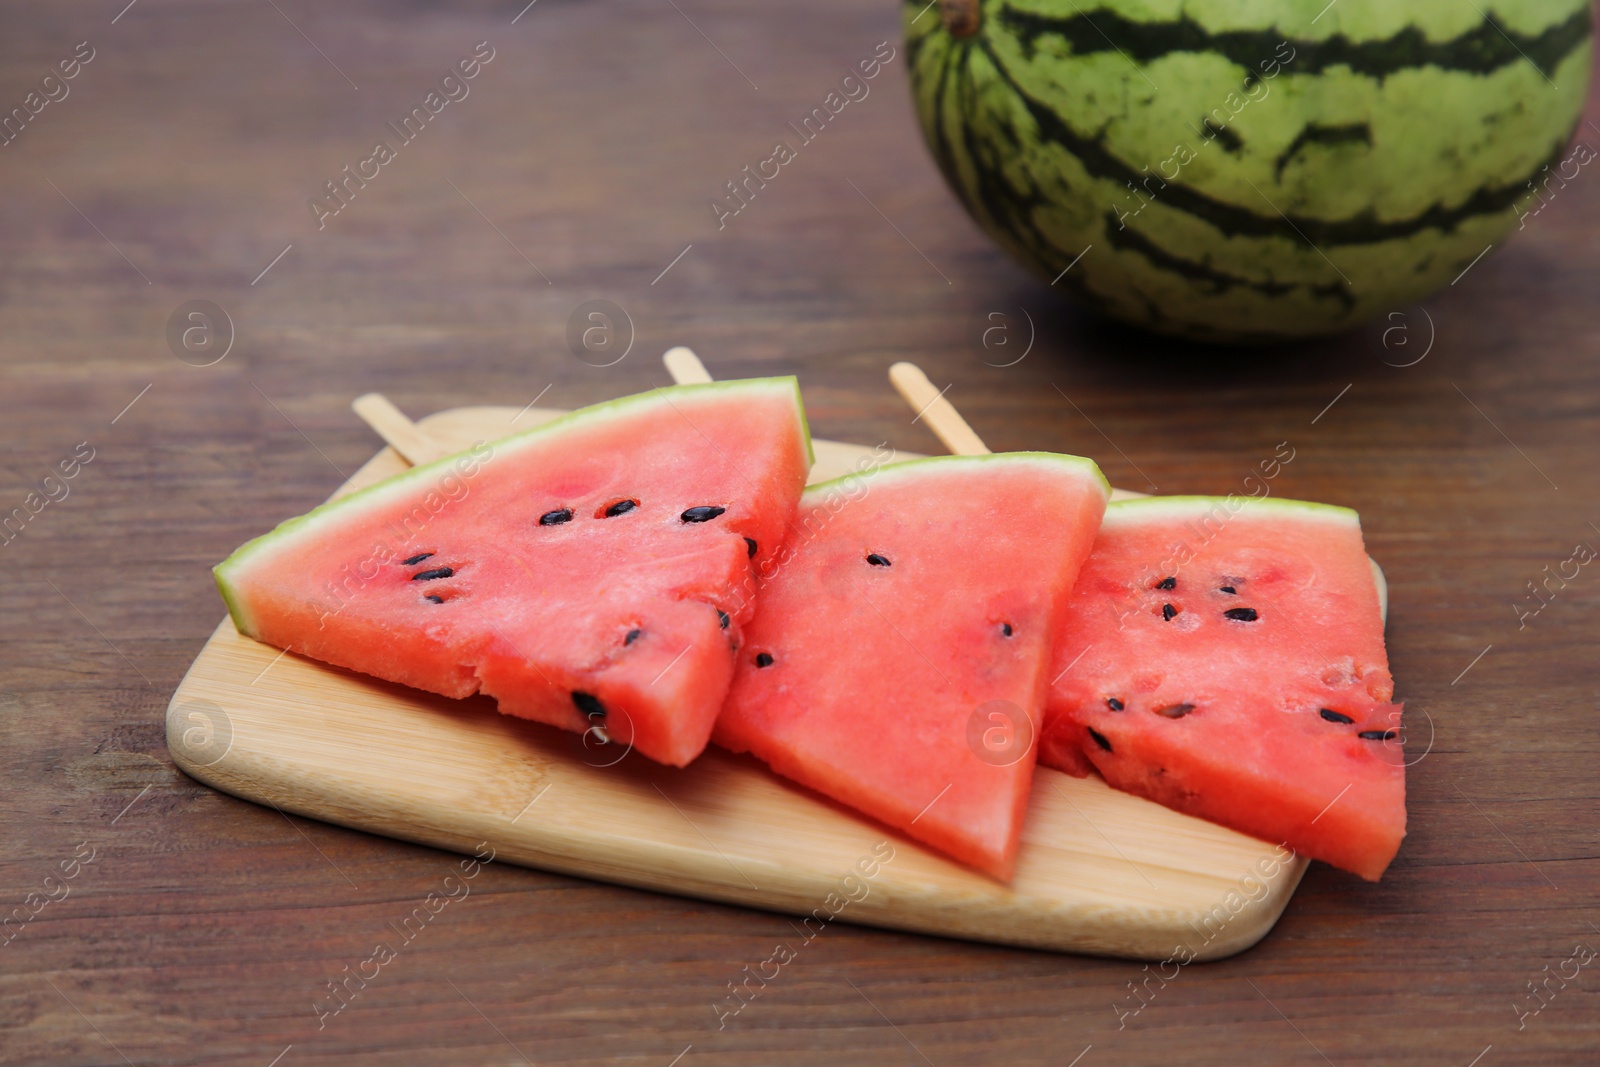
x=900 y=658
x=597 y=569
x=1224 y=657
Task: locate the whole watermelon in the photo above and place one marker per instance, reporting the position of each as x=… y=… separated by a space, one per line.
x=1251 y=169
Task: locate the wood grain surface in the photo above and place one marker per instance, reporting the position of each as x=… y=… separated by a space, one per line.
x=205 y=929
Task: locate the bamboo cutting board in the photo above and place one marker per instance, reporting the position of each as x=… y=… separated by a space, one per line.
x=1100 y=871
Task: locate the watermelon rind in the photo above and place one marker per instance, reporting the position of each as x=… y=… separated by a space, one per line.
x=399 y=485
x=1251 y=171
x=1158 y=508
x=1058 y=461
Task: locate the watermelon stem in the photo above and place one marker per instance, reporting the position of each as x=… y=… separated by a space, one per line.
x=960 y=17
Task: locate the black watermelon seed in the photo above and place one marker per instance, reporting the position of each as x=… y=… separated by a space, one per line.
x=633 y=635
x=556 y=517
x=1099 y=738
x=435 y=598
x=750 y=547
x=621 y=507
x=1114 y=704
x=704 y=513
x=1005 y=628
x=1242 y=614
x=1378 y=735
x=1168 y=611
x=1168 y=582
x=428 y=576
x=722 y=618
x=1334 y=716
x=1230 y=590
x=763 y=659
x=414 y=560
x=1175 y=711
x=877 y=560
x=589 y=704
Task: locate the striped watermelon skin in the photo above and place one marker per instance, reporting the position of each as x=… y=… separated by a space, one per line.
x=1250 y=169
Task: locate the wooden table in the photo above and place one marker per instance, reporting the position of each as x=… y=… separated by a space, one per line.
x=580 y=167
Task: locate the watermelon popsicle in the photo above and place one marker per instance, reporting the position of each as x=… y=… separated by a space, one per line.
x=587 y=572
x=899 y=658
x=1224 y=657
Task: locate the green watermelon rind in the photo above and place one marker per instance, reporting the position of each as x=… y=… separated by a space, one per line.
x=1156 y=508
x=1078 y=464
x=407 y=480
x=1399 y=140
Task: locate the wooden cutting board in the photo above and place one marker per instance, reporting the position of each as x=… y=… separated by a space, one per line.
x=1100 y=871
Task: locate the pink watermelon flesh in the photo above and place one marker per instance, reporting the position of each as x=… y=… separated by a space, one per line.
x=565 y=571
x=1265 y=708
x=906 y=605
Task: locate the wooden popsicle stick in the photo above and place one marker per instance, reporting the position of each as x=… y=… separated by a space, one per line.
x=399 y=432
x=945 y=421
x=685 y=367
x=931 y=406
